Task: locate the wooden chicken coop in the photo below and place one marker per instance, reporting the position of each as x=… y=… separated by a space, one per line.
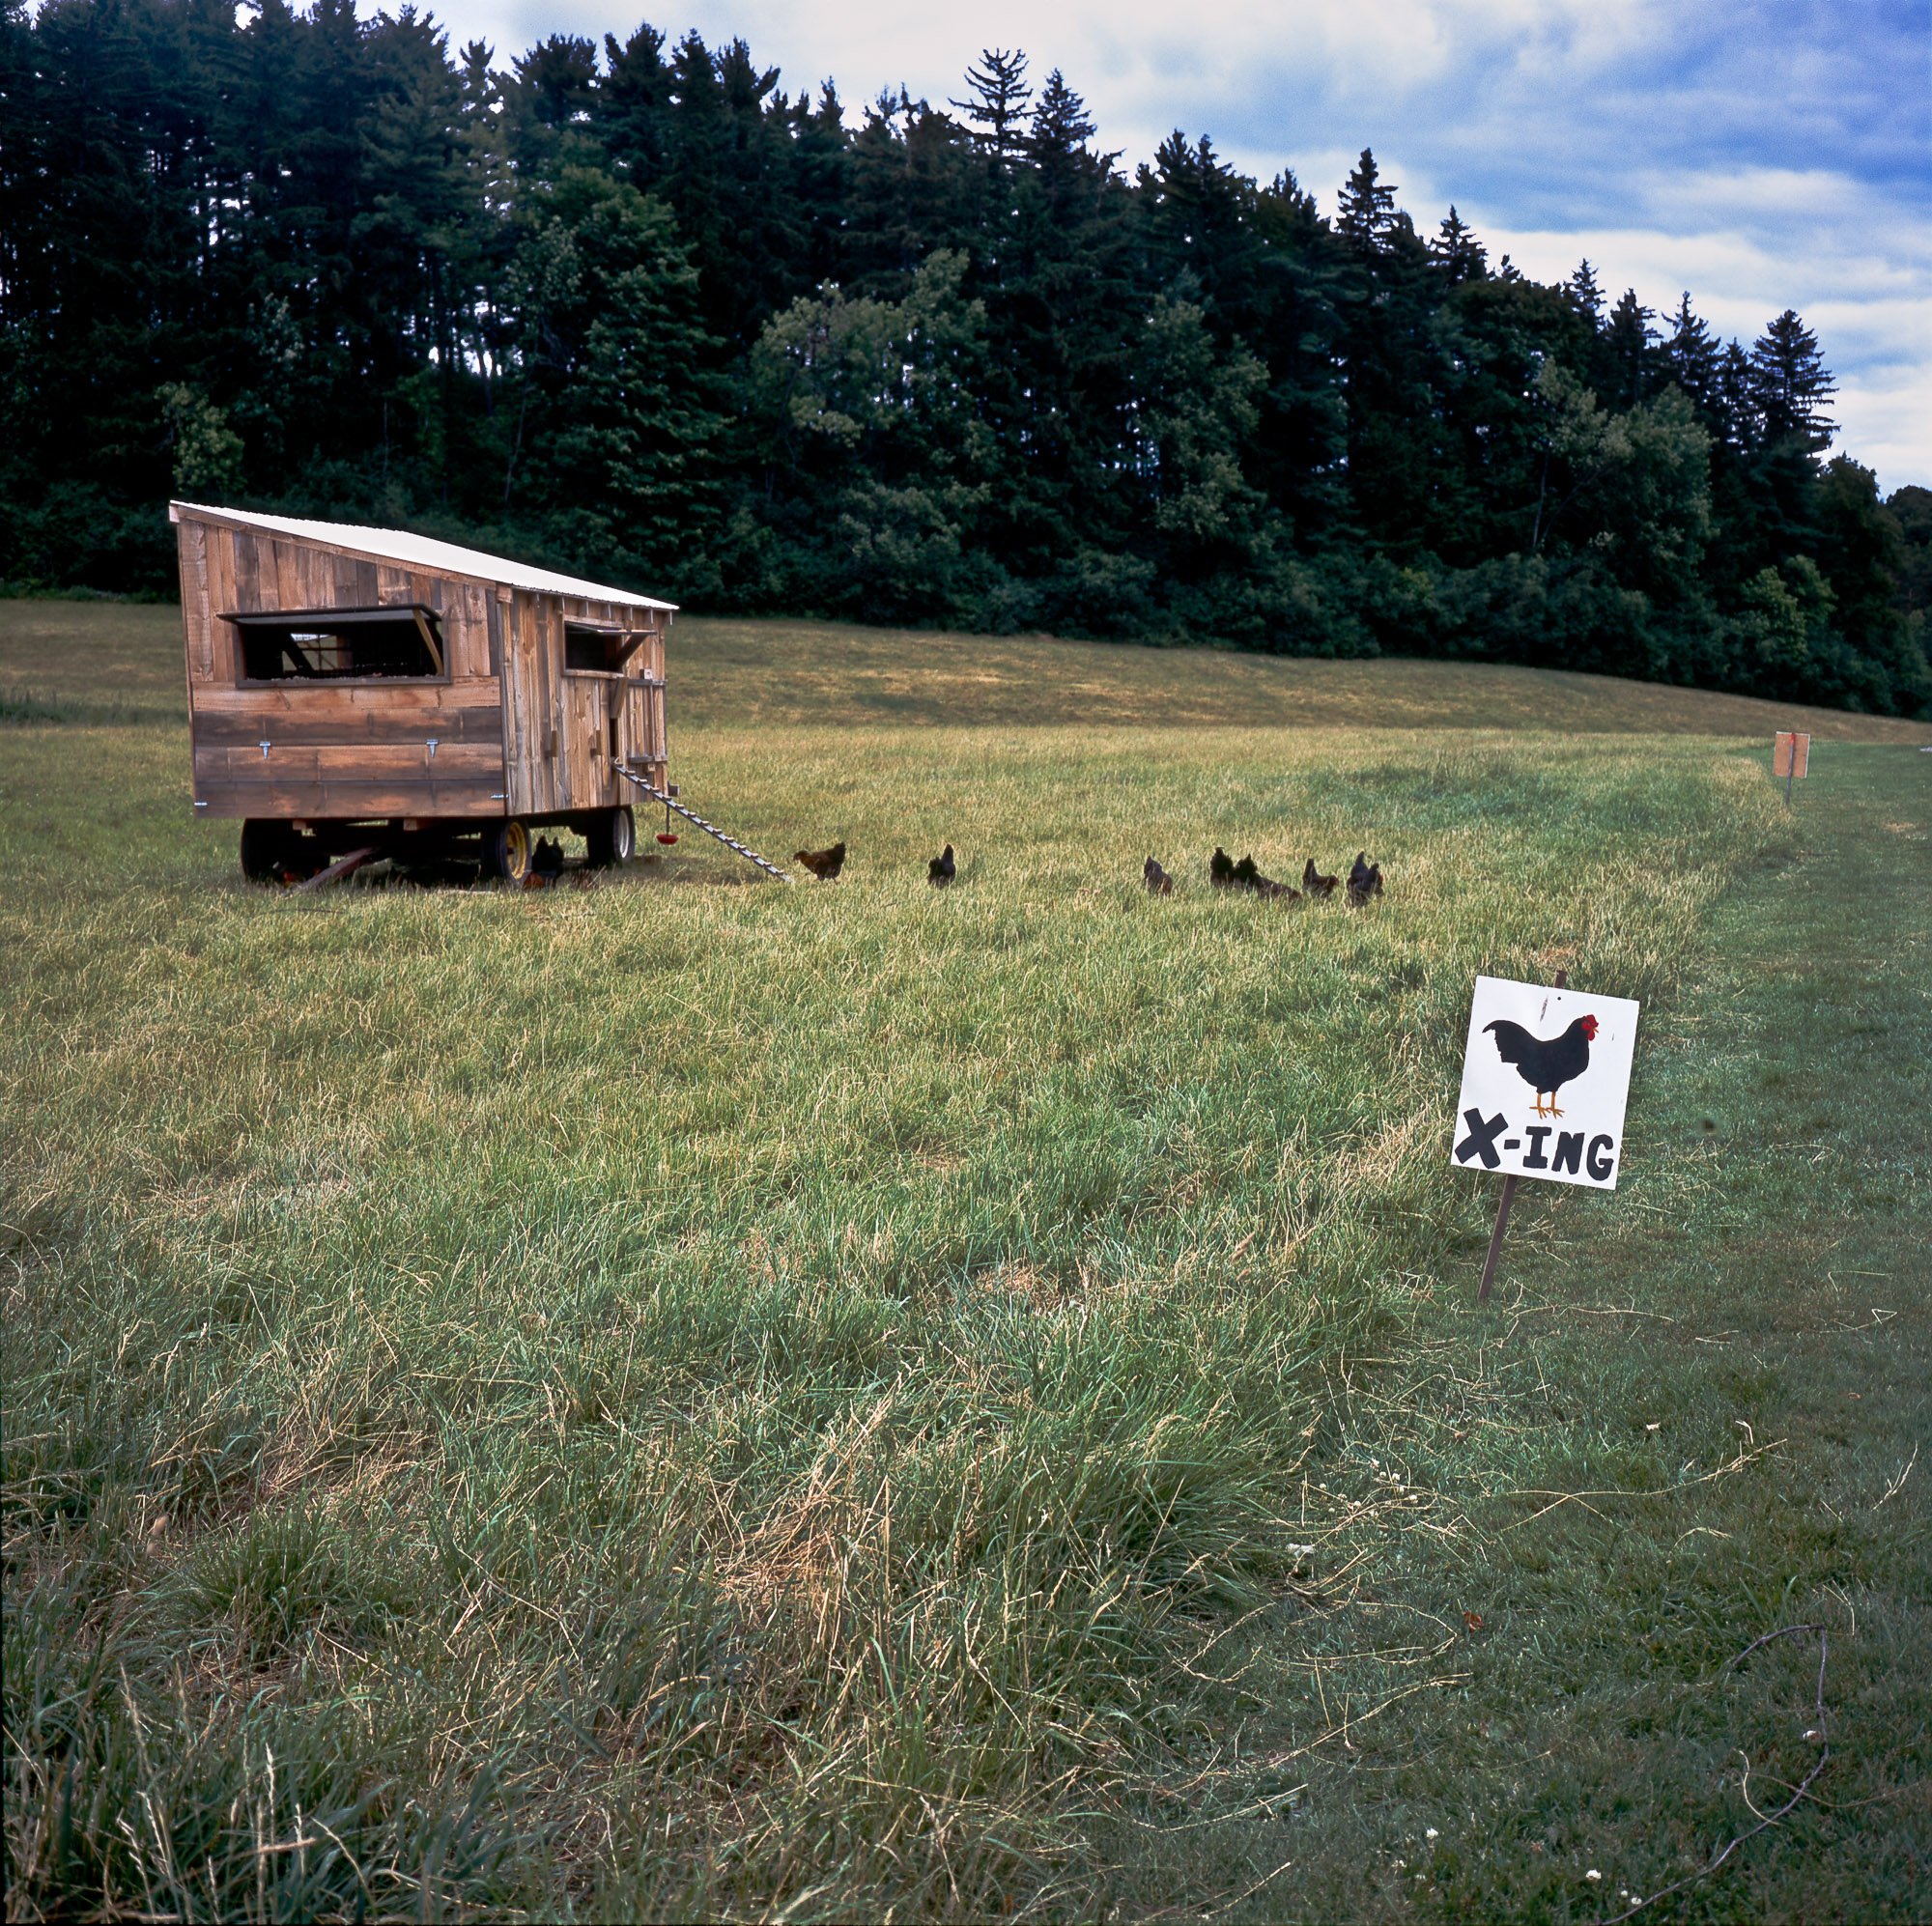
x=364 y=688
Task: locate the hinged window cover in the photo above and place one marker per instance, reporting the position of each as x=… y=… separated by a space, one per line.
x=282 y=644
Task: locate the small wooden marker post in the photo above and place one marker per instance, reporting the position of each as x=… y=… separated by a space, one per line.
x=1503 y=1203
x=1790 y=757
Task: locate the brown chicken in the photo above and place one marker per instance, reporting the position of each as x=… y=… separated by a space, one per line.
x=1316 y=883
x=1158 y=882
x=824 y=863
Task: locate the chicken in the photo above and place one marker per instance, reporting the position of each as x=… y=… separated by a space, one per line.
x=1158 y=882
x=547 y=858
x=1247 y=876
x=1545 y=1064
x=1365 y=880
x=942 y=870
x=1220 y=868
x=1316 y=883
x=824 y=863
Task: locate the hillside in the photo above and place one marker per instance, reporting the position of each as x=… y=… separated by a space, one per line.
x=786 y=674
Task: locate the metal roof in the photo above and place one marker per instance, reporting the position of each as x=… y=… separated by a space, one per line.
x=398 y=545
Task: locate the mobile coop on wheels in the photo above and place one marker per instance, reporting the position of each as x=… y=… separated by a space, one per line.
x=369 y=689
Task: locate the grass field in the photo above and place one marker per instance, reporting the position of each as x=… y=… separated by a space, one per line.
x=690 y=1398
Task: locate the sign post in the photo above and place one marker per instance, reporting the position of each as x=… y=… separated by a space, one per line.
x=1790 y=756
x=1568 y=1052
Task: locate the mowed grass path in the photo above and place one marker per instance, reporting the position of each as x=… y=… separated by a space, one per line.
x=690 y=1396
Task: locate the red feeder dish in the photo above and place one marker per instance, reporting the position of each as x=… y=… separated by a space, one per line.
x=664 y=836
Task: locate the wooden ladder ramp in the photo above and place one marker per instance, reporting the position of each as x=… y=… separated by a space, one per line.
x=692 y=816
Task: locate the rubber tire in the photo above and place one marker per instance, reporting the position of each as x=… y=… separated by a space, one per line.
x=611 y=838
x=267 y=847
x=506 y=851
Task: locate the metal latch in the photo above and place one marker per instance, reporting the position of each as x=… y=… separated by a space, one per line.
x=264 y=748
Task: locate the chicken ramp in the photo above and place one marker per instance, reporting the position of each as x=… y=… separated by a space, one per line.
x=692 y=816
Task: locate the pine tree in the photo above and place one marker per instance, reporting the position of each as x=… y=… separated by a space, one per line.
x=1367 y=209
x=1456 y=250
x=1583 y=290
x=1628 y=340
x=1791 y=383
x=1691 y=354
x=996 y=106
x=1743 y=424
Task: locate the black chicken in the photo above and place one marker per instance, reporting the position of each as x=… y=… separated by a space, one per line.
x=824 y=863
x=1221 y=868
x=1365 y=879
x=1158 y=882
x=942 y=870
x=1545 y=1064
x=1246 y=875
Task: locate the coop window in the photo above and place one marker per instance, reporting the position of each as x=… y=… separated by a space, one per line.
x=341 y=644
x=604 y=651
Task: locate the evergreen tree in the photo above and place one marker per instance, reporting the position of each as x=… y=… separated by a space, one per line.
x=1456 y=250
x=1629 y=343
x=1791 y=383
x=1367 y=207
x=1585 y=292
x=996 y=104
x=1690 y=355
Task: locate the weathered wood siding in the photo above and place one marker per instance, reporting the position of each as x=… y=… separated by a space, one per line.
x=505 y=731
x=558 y=741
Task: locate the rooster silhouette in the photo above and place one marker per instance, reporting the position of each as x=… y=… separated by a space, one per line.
x=1546 y=1064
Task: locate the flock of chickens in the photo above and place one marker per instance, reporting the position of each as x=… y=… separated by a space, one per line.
x=1365 y=878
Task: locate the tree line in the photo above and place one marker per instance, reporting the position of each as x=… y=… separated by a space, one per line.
x=639 y=311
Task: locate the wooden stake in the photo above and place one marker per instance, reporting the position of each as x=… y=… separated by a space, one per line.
x=1496 y=1237
x=1503 y=1204
x=343 y=866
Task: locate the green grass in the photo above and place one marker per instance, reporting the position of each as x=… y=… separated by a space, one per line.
x=689 y=1397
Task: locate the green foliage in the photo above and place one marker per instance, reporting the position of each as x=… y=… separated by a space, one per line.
x=206 y=451
x=640 y=311
x=619 y=425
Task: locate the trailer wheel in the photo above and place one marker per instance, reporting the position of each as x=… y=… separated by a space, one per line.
x=612 y=835
x=506 y=851
x=267 y=848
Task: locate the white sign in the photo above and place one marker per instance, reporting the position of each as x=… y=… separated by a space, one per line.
x=1546 y=1073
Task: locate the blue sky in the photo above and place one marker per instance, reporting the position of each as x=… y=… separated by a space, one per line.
x=1761 y=154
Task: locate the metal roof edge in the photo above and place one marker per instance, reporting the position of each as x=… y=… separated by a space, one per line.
x=422 y=552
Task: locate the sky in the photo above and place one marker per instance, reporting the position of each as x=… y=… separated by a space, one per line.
x=1758 y=154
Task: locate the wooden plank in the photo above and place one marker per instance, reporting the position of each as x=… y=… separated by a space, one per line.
x=380 y=694
x=343 y=866
x=228 y=729
x=222 y=639
x=340 y=800
x=199 y=643
x=527 y=721
x=321 y=762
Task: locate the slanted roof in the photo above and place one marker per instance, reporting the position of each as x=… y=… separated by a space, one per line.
x=398 y=545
